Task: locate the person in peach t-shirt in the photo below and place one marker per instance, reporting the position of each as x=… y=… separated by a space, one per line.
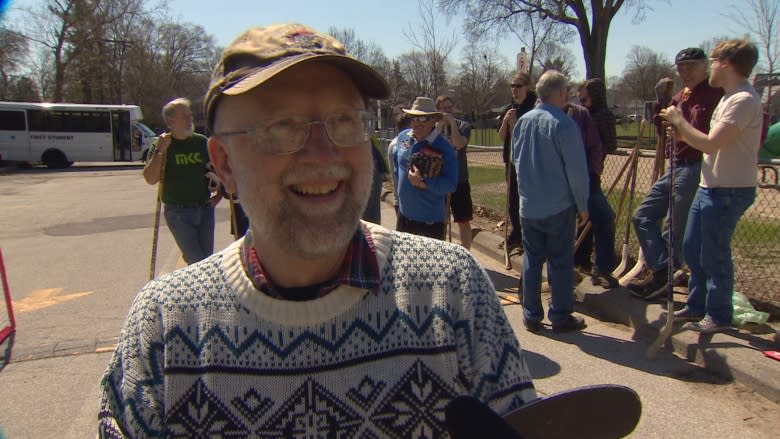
x=727 y=187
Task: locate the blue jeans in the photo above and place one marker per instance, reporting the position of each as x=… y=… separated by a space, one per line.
x=711 y=223
x=193 y=230
x=550 y=239
x=655 y=207
x=602 y=219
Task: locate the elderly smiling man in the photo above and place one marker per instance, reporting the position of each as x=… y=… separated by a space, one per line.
x=315 y=324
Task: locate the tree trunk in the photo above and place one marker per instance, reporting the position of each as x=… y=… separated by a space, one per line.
x=594 y=44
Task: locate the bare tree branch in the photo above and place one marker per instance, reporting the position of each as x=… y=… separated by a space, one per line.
x=432 y=52
x=591 y=19
x=761 y=19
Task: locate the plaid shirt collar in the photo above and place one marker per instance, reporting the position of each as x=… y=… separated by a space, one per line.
x=359 y=269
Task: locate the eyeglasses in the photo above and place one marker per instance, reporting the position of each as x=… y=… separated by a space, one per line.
x=518 y=85
x=348 y=128
x=422 y=119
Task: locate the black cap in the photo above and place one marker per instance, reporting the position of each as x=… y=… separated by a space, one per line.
x=690 y=54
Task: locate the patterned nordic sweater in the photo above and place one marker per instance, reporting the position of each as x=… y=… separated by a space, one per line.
x=204 y=354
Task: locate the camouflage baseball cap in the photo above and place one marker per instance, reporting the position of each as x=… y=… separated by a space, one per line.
x=261 y=53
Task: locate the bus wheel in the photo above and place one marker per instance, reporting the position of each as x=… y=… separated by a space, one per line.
x=55 y=159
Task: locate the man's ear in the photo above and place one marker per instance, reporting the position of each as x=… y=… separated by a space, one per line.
x=218 y=154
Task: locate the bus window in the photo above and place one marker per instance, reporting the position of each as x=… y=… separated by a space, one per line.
x=37 y=120
x=12 y=121
x=70 y=121
x=96 y=122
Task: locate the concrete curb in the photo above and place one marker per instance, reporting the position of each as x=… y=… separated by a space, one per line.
x=735 y=355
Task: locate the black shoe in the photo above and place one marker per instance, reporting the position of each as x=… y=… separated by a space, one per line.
x=605 y=280
x=642 y=279
x=655 y=288
x=532 y=325
x=572 y=323
x=513 y=245
x=680 y=278
x=584 y=268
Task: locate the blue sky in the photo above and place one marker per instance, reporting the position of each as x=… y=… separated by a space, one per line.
x=671 y=25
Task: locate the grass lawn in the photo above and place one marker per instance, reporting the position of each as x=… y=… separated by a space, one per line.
x=485 y=137
x=488 y=186
x=626 y=134
x=758 y=239
x=484 y=174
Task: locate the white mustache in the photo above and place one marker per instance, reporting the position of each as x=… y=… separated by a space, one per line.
x=305 y=173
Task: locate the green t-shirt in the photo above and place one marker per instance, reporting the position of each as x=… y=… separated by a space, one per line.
x=185 y=181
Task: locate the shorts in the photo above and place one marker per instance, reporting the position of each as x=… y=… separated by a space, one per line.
x=460 y=203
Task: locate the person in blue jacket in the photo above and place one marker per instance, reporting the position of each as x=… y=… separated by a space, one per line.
x=426 y=170
x=552 y=180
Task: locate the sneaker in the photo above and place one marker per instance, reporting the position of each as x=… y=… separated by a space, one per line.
x=605 y=280
x=572 y=323
x=532 y=325
x=686 y=315
x=706 y=326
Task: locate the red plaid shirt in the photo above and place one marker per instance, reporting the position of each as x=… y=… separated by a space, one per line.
x=359 y=269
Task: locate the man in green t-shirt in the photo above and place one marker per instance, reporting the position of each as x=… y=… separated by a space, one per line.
x=189 y=205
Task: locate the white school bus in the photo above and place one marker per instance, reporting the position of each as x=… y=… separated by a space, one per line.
x=59 y=134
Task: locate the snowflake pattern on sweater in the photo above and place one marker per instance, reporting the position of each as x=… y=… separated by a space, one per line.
x=204 y=354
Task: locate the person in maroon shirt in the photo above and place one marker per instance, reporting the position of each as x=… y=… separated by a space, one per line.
x=696 y=100
x=602 y=217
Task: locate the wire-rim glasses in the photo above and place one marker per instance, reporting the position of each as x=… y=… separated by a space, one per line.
x=288 y=135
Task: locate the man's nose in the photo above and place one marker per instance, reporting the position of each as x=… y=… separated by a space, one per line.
x=318 y=139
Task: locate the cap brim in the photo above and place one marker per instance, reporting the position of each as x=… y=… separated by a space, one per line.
x=370 y=83
x=420 y=113
x=690 y=60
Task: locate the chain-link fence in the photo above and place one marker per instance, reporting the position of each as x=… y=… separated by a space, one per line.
x=756 y=242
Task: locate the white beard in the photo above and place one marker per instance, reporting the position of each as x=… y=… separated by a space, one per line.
x=308 y=235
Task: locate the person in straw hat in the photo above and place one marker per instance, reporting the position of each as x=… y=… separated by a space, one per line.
x=426 y=170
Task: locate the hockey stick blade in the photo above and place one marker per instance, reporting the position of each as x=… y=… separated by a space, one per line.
x=600 y=411
x=666 y=331
x=626 y=279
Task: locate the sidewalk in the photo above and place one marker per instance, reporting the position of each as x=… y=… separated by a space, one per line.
x=735 y=355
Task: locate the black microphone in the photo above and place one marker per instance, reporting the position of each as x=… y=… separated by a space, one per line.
x=467 y=417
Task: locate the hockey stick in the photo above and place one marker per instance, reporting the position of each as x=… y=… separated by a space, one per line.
x=667 y=329
x=601 y=411
x=663 y=96
x=10 y=328
x=621 y=268
x=633 y=157
x=658 y=165
x=448 y=212
x=507 y=261
x=589 y=225
x=158 y=207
